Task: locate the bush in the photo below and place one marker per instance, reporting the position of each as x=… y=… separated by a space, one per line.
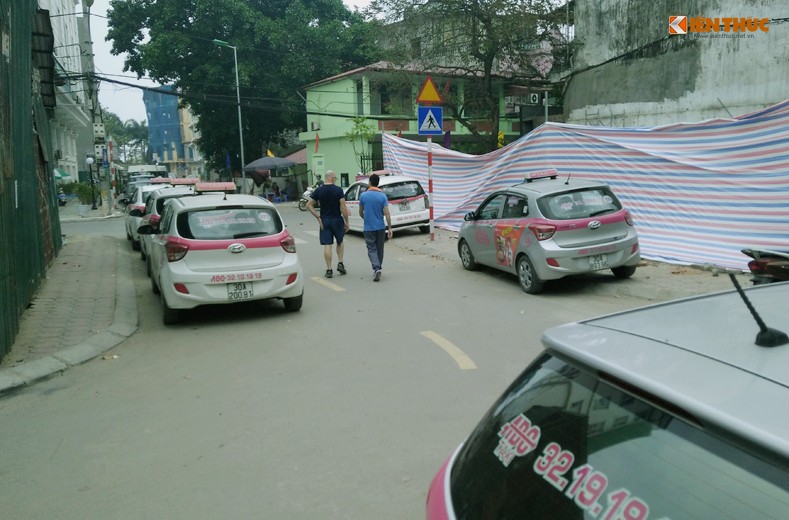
x=84 y=192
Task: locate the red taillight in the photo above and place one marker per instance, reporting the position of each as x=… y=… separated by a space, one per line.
x=634 y=248
x=542 y=231
x=181 y=288
x=175 y=251
x=427 y=202
x=628 y=218
x=757 y=266
x=552 y=261
x=291 y=278
x=154 y=220
x=288 y=244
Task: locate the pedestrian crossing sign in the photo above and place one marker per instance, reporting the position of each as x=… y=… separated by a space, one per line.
x=430 y=120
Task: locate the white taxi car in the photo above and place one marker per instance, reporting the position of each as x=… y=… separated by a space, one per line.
x=409 y=206
x=668 y=411
x=181 y=187
x=135 y=206
x=547 y=228
x=222 y=249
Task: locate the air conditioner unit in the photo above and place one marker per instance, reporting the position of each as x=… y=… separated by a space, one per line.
x=98 y=132
x=315 y=126
x=534 y=99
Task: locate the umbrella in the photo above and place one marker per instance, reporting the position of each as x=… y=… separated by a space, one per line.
x=60 y=174
x=268 y=163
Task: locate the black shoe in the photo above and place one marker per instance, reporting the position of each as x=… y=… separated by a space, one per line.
x=341 y=268
x=328 y=274
x=377 y=276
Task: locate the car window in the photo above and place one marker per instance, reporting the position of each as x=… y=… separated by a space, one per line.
x=589 y=202
x=491 y=208
x=515 y=207
x=353 y=193
x=402 y=190
x=228 y=223
x=167 y=217
x=563 y=443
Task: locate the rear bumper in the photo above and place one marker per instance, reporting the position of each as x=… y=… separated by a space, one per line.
x=580 y=260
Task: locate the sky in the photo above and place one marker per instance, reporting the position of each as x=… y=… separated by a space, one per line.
x=124 y=101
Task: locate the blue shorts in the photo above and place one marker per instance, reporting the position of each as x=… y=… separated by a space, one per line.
x=333 y=228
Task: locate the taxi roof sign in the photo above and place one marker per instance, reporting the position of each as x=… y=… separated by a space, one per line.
x=428 y=93
x=184 y=180
x=161 y=180
x=541 y=174
x=216 y=187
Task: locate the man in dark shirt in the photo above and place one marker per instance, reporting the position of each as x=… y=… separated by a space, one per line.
x=333 y=220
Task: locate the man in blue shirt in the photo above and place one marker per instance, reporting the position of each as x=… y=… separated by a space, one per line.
x=373 y=208
x=333 y=219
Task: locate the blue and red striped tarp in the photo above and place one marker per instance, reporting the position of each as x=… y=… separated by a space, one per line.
x=699 y=192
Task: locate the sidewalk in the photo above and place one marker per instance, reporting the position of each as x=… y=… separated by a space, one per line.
x=85 y=306
x=87 y=303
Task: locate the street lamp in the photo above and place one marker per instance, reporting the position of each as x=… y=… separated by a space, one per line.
x=89 y=162
x=222 y=43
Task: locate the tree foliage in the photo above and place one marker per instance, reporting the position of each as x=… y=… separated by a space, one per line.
x=483 y=44
x=281 y=45
x=131 y=137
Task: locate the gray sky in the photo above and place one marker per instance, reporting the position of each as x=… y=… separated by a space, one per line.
x=126 y=102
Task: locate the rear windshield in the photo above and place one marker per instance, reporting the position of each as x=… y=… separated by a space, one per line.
x=589 y=202
x=402 y=190
x=562 y=443
x=228 y=223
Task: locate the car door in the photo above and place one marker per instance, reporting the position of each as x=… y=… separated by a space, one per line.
x=157 y=242
x=352 y=203
x=482 y=242
x=508 y=230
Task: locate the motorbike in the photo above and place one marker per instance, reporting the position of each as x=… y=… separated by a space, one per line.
x=305 y=198
x=768 y=266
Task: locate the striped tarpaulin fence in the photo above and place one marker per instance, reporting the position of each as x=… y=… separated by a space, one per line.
x=699 y=192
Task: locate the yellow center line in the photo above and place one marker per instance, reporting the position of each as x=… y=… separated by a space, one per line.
x=463 y=361
x=323 y=282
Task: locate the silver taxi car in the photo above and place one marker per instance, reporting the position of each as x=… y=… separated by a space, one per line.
x=222 y=249
x=673 y=411
x=547 y=228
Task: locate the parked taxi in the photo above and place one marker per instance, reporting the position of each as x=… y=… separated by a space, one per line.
x=135 y=206
x=668 y=411
x=547 y=228
x=181 y=186
x=409 y=206
x=222 y=249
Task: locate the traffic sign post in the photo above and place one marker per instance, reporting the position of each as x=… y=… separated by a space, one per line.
x=430 y=122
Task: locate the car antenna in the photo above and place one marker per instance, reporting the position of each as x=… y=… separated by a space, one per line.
x=568 y=178
x=766 y=337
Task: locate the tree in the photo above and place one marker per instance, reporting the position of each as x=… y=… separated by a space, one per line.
x=281 y=45
x=360 y=133
x=487 y=44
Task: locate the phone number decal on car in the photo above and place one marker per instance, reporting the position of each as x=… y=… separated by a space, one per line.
x=236 y=277
x=520 y=437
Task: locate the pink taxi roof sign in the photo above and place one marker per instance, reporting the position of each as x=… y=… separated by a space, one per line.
x=220 y=187
x=184 y=181
x=161 y=180
x=541 y=174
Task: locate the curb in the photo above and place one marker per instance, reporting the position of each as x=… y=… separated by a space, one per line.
x=124 y=324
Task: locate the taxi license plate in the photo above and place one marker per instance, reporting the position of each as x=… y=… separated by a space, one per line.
x=404 y=205
x=598 y=262
x=239 y=291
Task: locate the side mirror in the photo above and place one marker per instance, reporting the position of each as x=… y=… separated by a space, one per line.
x=135 y=213
x=470 y=216
x=146 y=229
x=123 y=200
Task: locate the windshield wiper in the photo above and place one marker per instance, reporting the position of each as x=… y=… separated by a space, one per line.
x=250 y=234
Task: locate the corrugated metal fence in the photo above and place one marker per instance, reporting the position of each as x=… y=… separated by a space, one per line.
x=29 y=228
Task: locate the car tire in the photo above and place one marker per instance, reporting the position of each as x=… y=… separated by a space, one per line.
x=148 y=267
x=624 y=271
x=293 y=304
x=169 y=316
x=424 y=229
x=466 y=256
x=154 y=285
x=528 y=279
x=135 y=245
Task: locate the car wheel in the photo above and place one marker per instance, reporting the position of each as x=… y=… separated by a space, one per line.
x=169 y=316
x=148 y=267
x=624 y=271
x=528 y=279
x=466 y=256
x=135 y=245
x=424 y=229
x=293 y=304
x=154 y=285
